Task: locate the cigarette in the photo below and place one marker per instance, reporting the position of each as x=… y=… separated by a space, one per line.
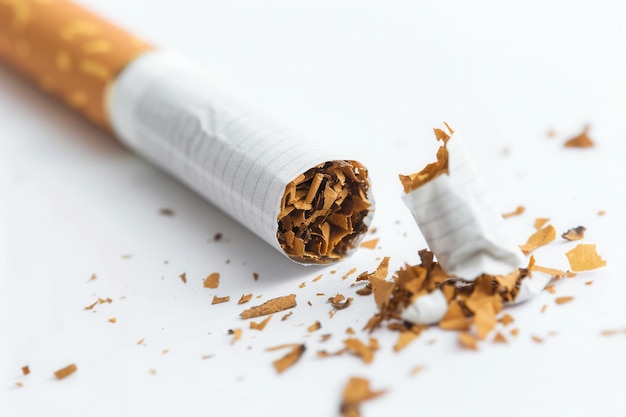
x=311 y=203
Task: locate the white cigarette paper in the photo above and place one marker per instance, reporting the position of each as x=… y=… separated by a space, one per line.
x=465 y=232
x=174 y=114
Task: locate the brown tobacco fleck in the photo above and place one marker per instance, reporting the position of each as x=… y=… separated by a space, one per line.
x=506 y=319
x=581 y=140
x=355 y=392
x=337 y=303
x=431 y=171
x=183 y=277
x=370 y=244
x=166 y=212
x=540 y=238
x=112 y=320
x=212 y=280
x=347 y=274
x=365 y=352
x=404 y=339
x=537 y=339
x=271 y=306
x=584 y=258
x=219 y=300
x=575 y=233
x=25 y=370
x=499 y=338
x=314 y=327
x=468 y=341
x=544 y=308
x=518 y=211
x=255 y=276
x=236 y=334
x=260 y=326
x=286 y=316
x=323 y=211
x=65 y=372
x=563 y=300
x=289 y=359
x=244 y=298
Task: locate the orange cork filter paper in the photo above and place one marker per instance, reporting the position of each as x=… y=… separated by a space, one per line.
x=67 y=50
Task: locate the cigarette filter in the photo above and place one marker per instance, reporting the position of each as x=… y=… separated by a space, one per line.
x=308 y=202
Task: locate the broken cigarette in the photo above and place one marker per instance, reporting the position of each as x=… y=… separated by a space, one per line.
x=464 y=230
x=309 y=202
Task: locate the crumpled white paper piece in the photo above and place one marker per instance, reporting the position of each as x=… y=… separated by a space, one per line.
x=465 y=232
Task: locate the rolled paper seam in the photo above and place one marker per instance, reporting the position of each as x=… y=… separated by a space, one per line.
x=461 y=226
x=173 y=113
x=67 y=50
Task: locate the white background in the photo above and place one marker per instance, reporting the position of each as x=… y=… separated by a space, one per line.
x=373 y=77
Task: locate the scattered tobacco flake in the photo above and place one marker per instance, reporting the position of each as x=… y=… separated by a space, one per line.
x=183 y=277
x=314 y=327
x=309 y=303
x=370 y=244
x=544 y=308
x=19 y=384
x=431 y=171
x=92 y=277
x=217 y=237
x=550 y=289
x=610 y=332
x=357 y=347
x=271 y=306
x=518 y=211
x=355 y=392
x=575 y=233
x=91 y=306
x=540 y=222
x=584 y=258
x=317 y=278
x=537 y=339
x=112 y=320
x=563 y=300
x=286 y=316
x=337 y=303
x=284 y=363
x=302 y=284
x=152 y=371
x=588 y=282
x=350 y=330
x=506 y=319
x=325 y=337
x=65 y=372
x=166 y=212
x=244 y=298
x=601 y=212
x=140 y=341
x=347 y=274
x=212 y=280
x=540 y=238
x=404 y=339
x=165 y=351
x=25 y=370
x=127 y=256
x=204 y=357
x=261 y=325
x=416 y=370
x=468 y=341
x=557 y=273
x=499 y=338
x=514 y=332
x=236 y=334
x=366 y=290
x=581 y=140
x=255 y=276
x=551 y=133
x=219 y=300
